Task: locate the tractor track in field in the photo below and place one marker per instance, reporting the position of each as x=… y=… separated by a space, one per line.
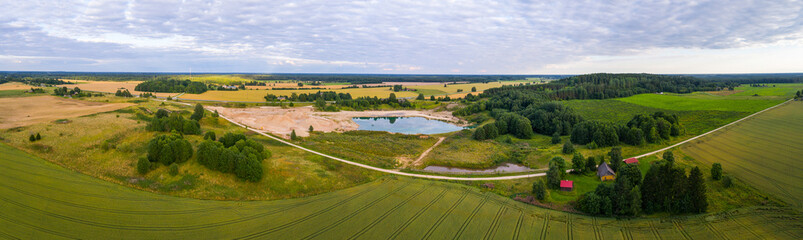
x=470 y=218
x=440 y=177
x=387 y=213
x=417 y=214
x=519 y=222
x=544 y=226
x=312 y=215
x=358 y=211
x=444 y=216
x=494 y=224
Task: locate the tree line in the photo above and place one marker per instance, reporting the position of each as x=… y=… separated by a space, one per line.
x=233 y=153
x=171 y=86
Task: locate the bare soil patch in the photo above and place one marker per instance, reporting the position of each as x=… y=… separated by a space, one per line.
x=31 y=110
x=283 y=121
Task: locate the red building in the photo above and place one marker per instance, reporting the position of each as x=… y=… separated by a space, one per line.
x=631 y=161
x=566 y=185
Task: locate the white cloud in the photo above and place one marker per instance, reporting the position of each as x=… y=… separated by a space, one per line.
x=472 y=36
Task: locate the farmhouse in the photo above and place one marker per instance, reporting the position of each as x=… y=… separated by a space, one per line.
x=631 y=161
x=605 y=173
x=566 y=185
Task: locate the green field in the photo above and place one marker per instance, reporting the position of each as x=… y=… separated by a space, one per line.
x=764 y=151
x=700 y=102
x=39 y=200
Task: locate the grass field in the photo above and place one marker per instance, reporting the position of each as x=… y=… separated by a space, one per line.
x=379 y=149
x=764 y=151
x=107 y=146
x=31 y=110
x=42 y=201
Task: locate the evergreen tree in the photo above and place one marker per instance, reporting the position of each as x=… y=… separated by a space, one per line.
x=293 y=135
x=473 y=89
x=591 y=165
x=143 y=165
x=568 y=147
x=635 y=201
x=198 y=113
x=699 y=202
x=616 y=158
x=38 y=137
x=392 y=98
x=32 y=138
x=420 y=96
x=578 y=163
x=311 y=128
x=556 y=172
x=716 y=171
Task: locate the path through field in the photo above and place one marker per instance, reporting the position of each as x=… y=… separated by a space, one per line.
x=765 y=151
x=418 y=162
x=39 y=200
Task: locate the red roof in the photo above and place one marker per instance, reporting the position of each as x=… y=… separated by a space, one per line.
x=631 y=160
x=566 y=184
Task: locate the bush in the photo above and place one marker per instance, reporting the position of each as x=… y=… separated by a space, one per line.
x=173 y=170
x=568 y=147
x=143 y=165
x=727 y=181
x=243 y=158
x=556 y=138
x=229 y=139
x=539 y=190
x=716 y=171
x=210 y=136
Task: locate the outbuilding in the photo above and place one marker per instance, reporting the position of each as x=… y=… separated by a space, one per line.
x=566 y=185
x=605 y=173
x=631 y=161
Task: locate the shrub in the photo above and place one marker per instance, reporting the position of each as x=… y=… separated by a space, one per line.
x=556 y=138
x=229 y=139
x=539 y=190
x=173 y=170
x=143 y=165
x=716 y=171
x=210 y=136
x=568 y=147
x=727 y=181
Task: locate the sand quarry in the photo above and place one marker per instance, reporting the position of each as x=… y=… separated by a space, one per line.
x=23 y=111
x=279 y=121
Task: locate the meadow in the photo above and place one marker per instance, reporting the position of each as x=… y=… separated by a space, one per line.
x=763 y=150
x=107 y=145
x=41 y=200
x=747 y=99
x=379 y=149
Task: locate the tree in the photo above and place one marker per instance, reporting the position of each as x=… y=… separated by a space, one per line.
x=726 y=181
x=143 y=165
x=392 y=98
x=716 y=171
x=198 y=113
x=633 y=173
x=669 y=157
x=420 y=96
x=432 y=98
x=589 y=203
x=556 y=138
x=556 y=172
x=229 y=139
x=161 y=113
x=591 y=165
x=293 y=135
x=473 y=89
x=539 y=190
x=568 y=147
x=616 y=158
x=38 y=137
x=696 y=191
x=578 y=163
x=169 y=148
x=320 y=103
x=215 y=114
x=311 y=128
x=32 y=138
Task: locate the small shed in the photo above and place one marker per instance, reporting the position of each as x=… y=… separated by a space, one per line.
x=605 y=173
x=631 y=161
x=566 y=185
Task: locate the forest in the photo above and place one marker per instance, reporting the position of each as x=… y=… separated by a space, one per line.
x=172 y=86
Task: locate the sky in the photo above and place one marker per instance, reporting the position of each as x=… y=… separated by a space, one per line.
x=403 y=37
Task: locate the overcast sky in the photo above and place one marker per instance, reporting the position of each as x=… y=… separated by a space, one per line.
x=415 y=37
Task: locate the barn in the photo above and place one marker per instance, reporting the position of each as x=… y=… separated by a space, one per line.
x=566 y=185
x=605 y=173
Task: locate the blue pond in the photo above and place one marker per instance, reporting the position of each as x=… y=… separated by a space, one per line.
x=406 y=125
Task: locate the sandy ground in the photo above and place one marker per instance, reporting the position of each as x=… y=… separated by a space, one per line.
x=109 y=87
x=23 y=111
x=282 y=121
x=15 y=86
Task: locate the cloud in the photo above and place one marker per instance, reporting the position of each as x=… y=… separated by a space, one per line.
x=471 y=36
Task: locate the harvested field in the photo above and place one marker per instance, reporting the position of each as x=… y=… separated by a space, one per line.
x=764 y=151
x=14 y=86
x=109 y=87
x=30 y=110
x=281 y=121
x=44 y=201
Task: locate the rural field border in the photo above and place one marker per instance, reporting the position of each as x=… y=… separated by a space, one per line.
x=438 y=177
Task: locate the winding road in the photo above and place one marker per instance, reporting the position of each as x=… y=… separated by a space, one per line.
x=426 y=176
